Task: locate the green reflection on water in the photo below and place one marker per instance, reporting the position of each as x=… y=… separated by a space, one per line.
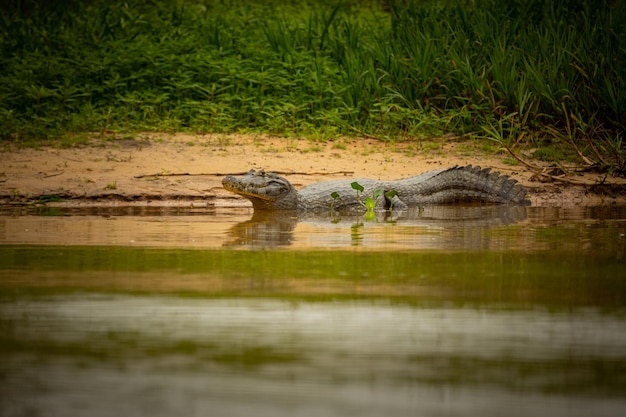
x=583 y=376
x=550 y=278
x=122 y=346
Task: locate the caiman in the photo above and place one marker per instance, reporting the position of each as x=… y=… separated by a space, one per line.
x=467 y=184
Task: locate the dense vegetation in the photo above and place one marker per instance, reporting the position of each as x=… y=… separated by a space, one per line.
x=519 y=72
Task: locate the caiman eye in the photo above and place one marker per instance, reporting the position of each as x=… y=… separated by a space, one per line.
x=262 y=173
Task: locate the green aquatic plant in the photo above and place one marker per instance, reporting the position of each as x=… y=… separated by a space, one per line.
x=389 y=195
x=369 y=201
x=335 y=196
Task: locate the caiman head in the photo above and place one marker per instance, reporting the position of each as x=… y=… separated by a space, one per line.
x=266 y=191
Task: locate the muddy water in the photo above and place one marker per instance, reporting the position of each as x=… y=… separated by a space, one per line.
x=456 y=311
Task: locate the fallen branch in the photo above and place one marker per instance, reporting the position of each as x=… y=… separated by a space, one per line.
x=222 y=174
x=560 y=178
x=54 y=174
x=533 y=168
x=366 y=135
x=542 y=172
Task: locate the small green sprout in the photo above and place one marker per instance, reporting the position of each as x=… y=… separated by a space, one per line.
x=389 y=195
x=111 y=186
x=335 y=196
x=369 y=202
x=358 y=188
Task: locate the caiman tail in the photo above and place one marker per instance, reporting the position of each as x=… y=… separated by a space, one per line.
x=465 y=184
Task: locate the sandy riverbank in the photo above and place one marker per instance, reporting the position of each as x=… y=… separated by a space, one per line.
x=182 y=170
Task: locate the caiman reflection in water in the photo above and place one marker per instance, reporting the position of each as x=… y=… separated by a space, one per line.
x=443 y=225
x=510 y=311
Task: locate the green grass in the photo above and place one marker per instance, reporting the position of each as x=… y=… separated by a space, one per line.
x=518 y=72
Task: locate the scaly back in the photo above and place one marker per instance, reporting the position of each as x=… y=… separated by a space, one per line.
x=459 y=185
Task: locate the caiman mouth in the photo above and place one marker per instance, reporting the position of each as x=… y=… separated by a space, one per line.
x=257 y=185
x=234 y=185
x=246 y=191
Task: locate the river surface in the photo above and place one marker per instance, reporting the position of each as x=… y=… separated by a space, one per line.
x=445 y=311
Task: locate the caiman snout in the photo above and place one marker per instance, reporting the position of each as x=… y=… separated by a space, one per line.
x=266 y=191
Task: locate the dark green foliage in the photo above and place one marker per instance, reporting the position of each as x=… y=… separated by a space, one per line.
x=526 y=68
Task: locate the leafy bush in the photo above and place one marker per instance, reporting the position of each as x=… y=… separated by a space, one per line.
x=517 y=71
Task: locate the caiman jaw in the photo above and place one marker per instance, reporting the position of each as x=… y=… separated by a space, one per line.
x=237 y=186
x=265 y=191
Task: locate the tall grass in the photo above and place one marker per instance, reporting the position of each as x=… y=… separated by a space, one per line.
x=523 y=71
